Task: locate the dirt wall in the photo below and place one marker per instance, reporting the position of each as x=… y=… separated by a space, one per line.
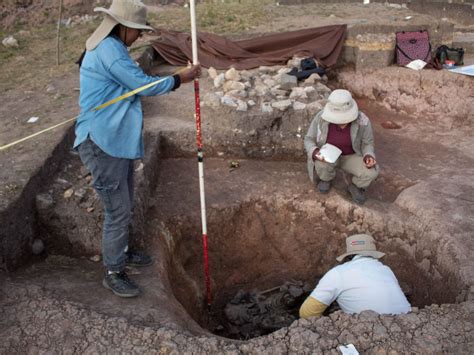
x=424 y=93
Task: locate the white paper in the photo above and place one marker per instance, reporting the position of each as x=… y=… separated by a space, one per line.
x=348 y=349
x=466 y=70
x=33 y=119
x=330 y=152
x=416 y=64
x=366 y=2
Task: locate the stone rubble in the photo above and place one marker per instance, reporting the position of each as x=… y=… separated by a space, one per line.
x=266 y=89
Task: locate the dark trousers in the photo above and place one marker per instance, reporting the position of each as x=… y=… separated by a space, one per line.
x=113 y=181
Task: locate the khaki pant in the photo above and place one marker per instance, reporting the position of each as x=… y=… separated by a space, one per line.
x=352 y=164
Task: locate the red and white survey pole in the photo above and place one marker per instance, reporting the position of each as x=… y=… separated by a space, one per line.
x=200 y=157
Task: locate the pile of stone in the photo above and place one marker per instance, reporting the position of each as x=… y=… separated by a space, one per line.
x=267 y=89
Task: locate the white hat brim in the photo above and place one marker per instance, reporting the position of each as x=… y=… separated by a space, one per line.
x=340 y=117
x=101 y=32
x=373 y=253
x=122 y=21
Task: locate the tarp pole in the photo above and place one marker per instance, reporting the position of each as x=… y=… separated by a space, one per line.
x=200 y=157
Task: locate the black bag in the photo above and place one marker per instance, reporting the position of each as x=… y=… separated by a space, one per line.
x=444 y=53
x=308 y=64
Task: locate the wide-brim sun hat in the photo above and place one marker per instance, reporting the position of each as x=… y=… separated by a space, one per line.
x=130 y=13
x=341 y=108
x=360 y=244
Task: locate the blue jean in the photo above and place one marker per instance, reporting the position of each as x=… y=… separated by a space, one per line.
x=113 y=181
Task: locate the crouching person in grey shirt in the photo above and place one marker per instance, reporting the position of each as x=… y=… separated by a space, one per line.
x=341 y=125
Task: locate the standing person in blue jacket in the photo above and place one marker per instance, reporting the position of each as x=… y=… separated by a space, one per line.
x=108 y=140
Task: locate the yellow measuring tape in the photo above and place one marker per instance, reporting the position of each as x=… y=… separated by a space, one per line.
x=108 y=103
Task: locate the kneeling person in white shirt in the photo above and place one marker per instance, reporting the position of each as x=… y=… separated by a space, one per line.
x=363 y=283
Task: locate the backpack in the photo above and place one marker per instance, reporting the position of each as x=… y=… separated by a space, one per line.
x=444 y=53
x=412 y=45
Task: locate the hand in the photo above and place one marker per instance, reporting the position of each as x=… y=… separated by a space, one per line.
x=369 y=161
x=190 y=73
x=317 y=156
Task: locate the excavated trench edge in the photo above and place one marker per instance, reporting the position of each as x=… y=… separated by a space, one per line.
x=427 y=275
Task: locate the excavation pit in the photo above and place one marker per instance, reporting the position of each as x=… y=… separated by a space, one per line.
x=270 y=237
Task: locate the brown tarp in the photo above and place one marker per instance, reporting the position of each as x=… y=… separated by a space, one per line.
x=323 y=43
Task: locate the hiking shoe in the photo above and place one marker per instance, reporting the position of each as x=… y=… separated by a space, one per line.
x=357 y=194
x=324 y=187
x=136 y=258
x=120 y=284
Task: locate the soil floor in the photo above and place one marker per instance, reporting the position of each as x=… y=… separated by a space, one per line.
x=421 y=208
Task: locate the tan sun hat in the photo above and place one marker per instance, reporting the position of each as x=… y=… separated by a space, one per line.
x=360 y=244
x=130 y=13
x=341 y=108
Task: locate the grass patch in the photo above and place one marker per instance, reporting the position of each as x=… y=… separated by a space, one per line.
x=225 y=18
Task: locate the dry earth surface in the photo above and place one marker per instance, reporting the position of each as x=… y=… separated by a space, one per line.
x=266 y=222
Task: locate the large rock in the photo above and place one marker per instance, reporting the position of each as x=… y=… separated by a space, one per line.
x=295 y=62
x=297 y=106
x=262 y=89
x=298 y=93
x=320 y=87
x=287 y=82
x=242 y=106
x=245 y=75
x=269 y=82
x=277 y=91
x=284 y=70
x=219 y=80
x=233 y=85
x=212 y=73
x=281 y=105
x=312 y=79
x=232 y=74
x=314 y=107
x=240 y=94
x=264 y=69
x=228 y=101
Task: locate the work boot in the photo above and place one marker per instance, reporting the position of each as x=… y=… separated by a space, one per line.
x=136 y=258
x=120 y=284
x=324 y=186
x=357 y=194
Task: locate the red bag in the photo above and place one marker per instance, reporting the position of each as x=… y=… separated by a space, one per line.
x=411 y=46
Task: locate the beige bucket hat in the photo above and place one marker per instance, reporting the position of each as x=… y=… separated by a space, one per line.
x=130 y=13
x=361 y=244
x=341 y=108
